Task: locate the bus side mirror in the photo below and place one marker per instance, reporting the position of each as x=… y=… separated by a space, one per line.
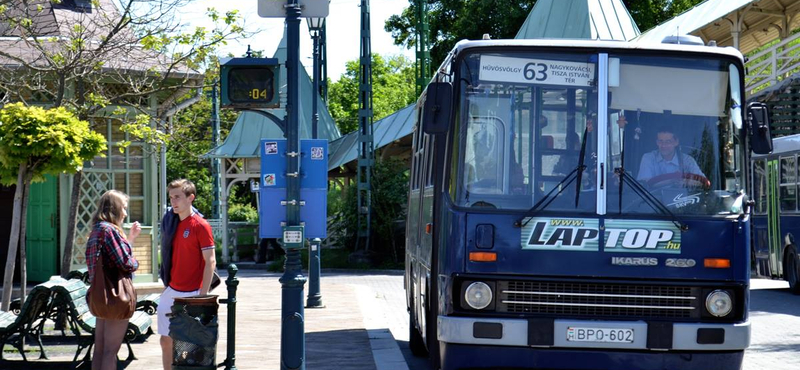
x=758 y=127
x=437 y=108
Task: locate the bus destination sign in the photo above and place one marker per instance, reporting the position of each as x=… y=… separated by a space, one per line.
x=536 y=71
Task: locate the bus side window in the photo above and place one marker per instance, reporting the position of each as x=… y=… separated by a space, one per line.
x=760 y=185
x=788 y=184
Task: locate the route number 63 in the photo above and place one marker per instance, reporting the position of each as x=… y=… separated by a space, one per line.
x=535 y=71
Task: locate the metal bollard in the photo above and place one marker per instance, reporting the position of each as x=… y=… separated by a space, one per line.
x=232 y=282
x=314 y=298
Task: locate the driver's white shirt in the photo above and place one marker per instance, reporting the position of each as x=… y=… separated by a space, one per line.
x=653 y=164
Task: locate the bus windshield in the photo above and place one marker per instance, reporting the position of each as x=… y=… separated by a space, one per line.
x=528 y=133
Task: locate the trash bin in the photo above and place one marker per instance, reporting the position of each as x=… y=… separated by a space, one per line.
x=194 y=331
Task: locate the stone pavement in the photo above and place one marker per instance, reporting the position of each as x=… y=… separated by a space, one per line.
x=343 y=335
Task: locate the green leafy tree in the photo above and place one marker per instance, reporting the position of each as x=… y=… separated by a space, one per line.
x=392 y=89
x=389 y=199
x=35 y=142
x=650 y=13
x=116 y=59
x=454 y=20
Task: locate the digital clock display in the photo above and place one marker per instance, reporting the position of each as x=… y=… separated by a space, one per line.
x=250 y=85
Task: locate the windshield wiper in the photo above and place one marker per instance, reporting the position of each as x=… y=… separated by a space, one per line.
x=547 y=199
x=580 y=164
x=648 y=197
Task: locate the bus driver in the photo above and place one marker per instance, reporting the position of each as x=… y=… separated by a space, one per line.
x=667 y=160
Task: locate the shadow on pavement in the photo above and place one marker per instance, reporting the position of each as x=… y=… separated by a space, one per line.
x=339 y=349
x=52 y=365
x=414 y=362
x=780 y=301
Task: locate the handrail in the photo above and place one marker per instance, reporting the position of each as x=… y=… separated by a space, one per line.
x=769 y=66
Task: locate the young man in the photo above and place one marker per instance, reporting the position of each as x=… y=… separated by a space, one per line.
x=187 y=256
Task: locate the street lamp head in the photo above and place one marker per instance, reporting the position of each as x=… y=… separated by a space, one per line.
x=315 y=24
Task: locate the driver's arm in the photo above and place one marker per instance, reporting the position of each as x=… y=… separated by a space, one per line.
x=645 y=168
x=690 y=166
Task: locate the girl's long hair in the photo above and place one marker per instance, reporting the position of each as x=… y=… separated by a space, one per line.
x=110 y=208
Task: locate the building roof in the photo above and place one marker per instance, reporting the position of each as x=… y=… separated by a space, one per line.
x=387 y=130
x=579 y=19
x=250 y=127
x=761 y=22
x=55 y=25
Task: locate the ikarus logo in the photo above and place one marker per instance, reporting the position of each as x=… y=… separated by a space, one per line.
x=561 y=234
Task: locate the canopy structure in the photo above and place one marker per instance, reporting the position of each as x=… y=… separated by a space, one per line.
x=395 y=128
x=746 y=25
x=579 y=19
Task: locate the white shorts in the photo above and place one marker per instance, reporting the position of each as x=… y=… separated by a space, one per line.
x=165 y=307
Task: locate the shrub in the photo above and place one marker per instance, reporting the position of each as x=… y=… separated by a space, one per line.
x=242 y=212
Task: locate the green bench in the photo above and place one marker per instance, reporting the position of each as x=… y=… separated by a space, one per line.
x=69 y=302
x=28 y=322
x=148 y=303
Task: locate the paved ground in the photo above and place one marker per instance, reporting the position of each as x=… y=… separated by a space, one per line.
x=365 y=326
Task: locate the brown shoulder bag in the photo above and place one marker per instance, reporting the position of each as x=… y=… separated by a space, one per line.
x=111 y=295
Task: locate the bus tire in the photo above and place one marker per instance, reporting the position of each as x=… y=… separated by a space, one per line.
x=415 y=341
x=433 y=338
x=792 y=271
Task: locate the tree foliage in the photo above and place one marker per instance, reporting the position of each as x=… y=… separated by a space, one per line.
x=35 y=142
x=45 y=141
x=454 y=20
x=392 y=89
x=650 y=13
x=389 y=199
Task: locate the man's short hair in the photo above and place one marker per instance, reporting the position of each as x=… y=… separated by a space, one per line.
x=666 y=129
x=185 y=185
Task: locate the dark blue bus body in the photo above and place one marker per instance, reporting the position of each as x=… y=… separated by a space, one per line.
x=536 y=240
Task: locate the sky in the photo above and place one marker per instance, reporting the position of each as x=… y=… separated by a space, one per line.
x=344 y=24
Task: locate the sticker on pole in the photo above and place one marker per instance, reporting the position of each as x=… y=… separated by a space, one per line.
x=293 y=237
x=317 y=153
x=536 y=71
x=269 y=179
x=270 y=147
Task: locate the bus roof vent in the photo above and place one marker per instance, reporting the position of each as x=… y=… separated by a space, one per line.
x=683 y=40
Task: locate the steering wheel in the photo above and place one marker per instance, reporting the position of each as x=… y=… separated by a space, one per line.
x=690 y=179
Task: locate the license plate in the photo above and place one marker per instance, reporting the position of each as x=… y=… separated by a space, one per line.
x=600 y=335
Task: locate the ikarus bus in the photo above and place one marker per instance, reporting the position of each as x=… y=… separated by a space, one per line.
x=582 y=205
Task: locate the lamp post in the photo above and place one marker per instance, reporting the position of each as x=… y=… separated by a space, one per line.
x=293 y=340
x=314 y=299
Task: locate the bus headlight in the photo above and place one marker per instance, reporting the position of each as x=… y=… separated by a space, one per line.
x=478 y=295
x=719 y=303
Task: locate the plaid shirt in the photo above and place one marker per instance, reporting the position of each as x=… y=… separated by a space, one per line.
x=107 y=239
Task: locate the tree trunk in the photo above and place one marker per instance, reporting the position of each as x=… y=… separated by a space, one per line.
x=13 y=241
x=66 y=260
x=23 y=265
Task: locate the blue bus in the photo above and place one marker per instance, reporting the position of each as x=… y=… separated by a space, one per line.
x=582 y=205
x=776 y=216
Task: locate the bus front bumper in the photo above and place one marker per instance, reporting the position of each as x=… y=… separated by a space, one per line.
x=545 y=333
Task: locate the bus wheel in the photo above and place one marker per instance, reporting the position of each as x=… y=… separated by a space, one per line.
x=792 y=272
x=415 y=341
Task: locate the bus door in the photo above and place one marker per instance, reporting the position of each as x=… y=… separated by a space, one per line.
x=774 y=219
x=413 y=226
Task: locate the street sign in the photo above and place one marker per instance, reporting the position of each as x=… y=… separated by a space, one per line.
x=250 y=83
x=313 y=188
x=309 y=8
